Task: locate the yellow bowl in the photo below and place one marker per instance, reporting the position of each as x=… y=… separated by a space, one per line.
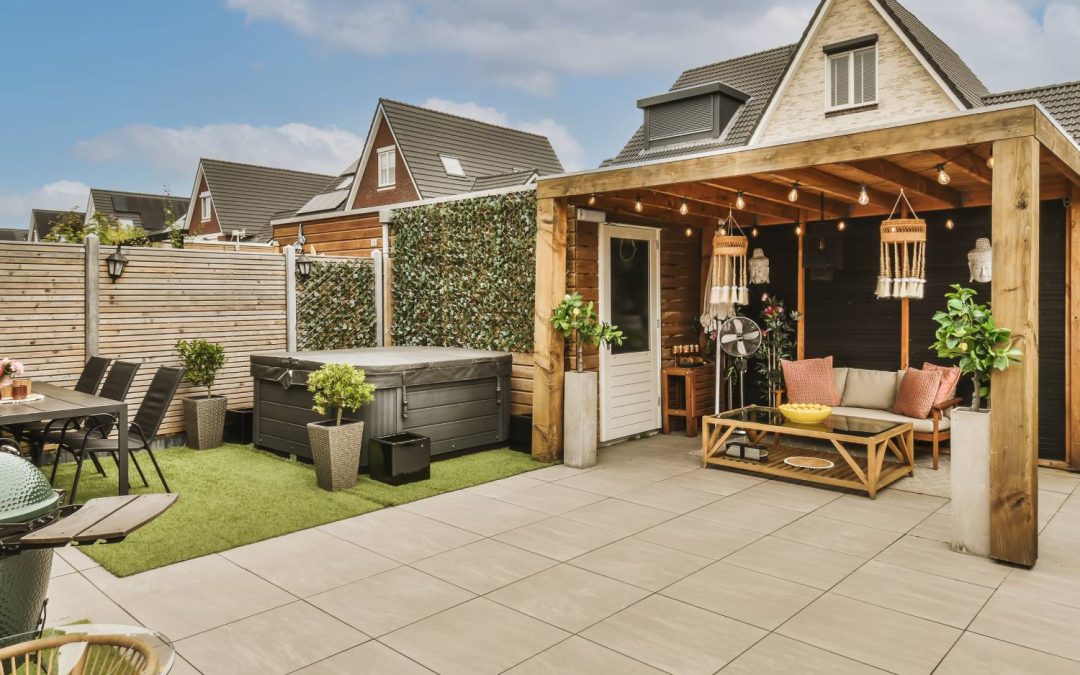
x=805 y=413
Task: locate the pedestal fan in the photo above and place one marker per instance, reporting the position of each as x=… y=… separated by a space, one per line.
x=738 y=338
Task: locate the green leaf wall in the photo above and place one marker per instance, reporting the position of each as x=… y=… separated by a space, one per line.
x=335 y=305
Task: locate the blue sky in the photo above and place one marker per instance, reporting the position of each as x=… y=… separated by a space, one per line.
x=127 y=95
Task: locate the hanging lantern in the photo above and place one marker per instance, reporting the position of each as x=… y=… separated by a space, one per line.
x=980 y=261
x=903 y=255
x=729 y=269
x=759 y=267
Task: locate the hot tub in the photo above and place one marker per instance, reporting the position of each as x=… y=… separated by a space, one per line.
x=459 y=398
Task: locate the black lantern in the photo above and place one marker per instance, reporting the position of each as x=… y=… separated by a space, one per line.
x=116 y=262
x=303 y=266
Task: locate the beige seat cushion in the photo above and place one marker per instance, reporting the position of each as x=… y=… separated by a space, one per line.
x=921 y=426
x=839 y=380
x=874 y=389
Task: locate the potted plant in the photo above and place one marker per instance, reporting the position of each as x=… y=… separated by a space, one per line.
x=580 y=325
x=968 y=334
x=777 y=344
x=204 y=416
x=336 y=443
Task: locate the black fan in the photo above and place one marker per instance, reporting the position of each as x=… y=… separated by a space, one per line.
x=738 y=337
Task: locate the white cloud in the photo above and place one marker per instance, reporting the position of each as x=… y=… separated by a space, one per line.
x=61 y=195
x=567 y=147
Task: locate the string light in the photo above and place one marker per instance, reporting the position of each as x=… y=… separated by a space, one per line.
x=798 y=230
x=723 y=231
x=864 y=196
x=949 y=224
x=754 y=232
x=793 y=196
x=592 y=200
x=740 y=203
x=990 y=162
x=942 y=175
x=689 y=232
x=684 y=208
x=841 y=226
x=638 y=206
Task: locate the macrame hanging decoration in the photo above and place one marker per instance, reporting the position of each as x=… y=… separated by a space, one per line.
x=903 y=255
x=729 y=268
x=759 y=267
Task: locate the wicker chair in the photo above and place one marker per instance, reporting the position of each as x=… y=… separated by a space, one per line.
x=101 y=655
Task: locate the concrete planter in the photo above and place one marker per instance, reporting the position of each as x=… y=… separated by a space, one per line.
x=204 y=421
x=970 y=481
x=579 y=419
x=336 y=452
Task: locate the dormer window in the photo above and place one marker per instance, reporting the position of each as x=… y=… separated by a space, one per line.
x=700 y=112
x=387 y=167
x=851 y=73
x=452 y=165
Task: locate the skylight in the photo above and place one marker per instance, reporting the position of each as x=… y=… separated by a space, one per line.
x=452 y=165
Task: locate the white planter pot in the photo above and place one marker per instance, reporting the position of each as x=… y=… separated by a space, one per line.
x=970 y=481
x=579 y=420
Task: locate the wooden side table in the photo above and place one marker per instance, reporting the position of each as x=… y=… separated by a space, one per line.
x=686 y=393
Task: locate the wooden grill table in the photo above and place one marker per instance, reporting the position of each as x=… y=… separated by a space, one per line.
x=766 y=427
x=61 y=403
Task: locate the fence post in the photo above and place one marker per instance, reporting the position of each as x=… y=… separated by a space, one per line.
x=92 y=300
x=377 y=258
x=290 y=299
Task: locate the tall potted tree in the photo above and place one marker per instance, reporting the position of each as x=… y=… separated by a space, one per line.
x=204 y=416
x=580 y=325
x=336 y=443
x=968 y=334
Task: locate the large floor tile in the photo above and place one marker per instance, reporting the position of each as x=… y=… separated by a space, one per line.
x=309 y=561
x=838 y=535
x=747 y=515
x=1044 y=626
x=674 y=498
x=1059 y=546
x=370 y=658
x=385 y=602
x=505 y=486
x=558 y=472
x=947 y=601
x=697 y=536
x=675 y=637
x=568 y=597
x=1045 y=582
x=909 y=500
x=936 y=527
x=399 y=534
x=484 y=565
x=890 y=640
x=757 y=599
x=801 y=563
x=551 y=498
x=641 y=563
x=715 y=481
x=474 y=513
x=778 y=655
x=577 y=656
x=1049 y=504
x=476 y=638
x=191 y=596
x=76 y=558
x=558 y=538
x=789 y=495
x=872 y=513
x=937 y=558
x=277 y=641
x=73 y=598
x=977 y=654
x=60 y=567
x=607 y=481
x=619 y=516
x=1057 y=480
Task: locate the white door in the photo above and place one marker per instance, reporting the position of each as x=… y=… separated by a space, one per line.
x=630 y=299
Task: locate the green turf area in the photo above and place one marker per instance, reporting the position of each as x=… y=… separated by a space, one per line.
x=236 y=495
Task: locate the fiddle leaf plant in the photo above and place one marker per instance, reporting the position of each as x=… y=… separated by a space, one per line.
x=579 y=323
x=202 y=361
x=339 y=387
x=968 y=333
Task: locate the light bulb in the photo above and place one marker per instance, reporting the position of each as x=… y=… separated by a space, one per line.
x=949 y=224
x=864 y=196
x=793 y=196
x=638 y=206
x=592 y=200
x=942 y=175
x=684 y=208
x=841 y=226
x=990 y=162
x=689 y=232
x=798 y=230
x=753 y=232
x=723 y=231
x=740 y=203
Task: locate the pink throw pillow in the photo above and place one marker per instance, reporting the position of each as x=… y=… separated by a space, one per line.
x=810 y=381
x=950 y=376
x=918 y=390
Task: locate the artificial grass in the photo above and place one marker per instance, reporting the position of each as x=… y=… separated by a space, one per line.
x=236 y=495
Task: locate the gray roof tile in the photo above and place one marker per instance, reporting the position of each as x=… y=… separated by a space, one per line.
x=1062 y=101
x=504 y=180
x=41 y=221
x=146 y=210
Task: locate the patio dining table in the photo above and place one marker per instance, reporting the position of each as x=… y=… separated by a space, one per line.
x=61 y=403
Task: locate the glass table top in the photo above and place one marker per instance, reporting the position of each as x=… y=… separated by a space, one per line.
x=839 y=424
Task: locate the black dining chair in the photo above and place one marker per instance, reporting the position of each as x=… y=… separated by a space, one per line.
x=141 y=433
x=92 y=373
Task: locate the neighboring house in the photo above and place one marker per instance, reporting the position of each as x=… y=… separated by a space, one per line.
x=41 y=222
x=237 y=200
x=413 y=154
x=149 y=211
x=13 y=234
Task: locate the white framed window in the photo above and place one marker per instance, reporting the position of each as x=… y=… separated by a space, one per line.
x=452 y=165
x=387 y=166
x=126 y=222
x=852 y=78
x=205 y=206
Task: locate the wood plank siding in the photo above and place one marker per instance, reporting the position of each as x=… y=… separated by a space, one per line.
x=356 y=236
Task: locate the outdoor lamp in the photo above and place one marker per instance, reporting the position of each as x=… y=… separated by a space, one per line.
x=116 y=262
x=864 y=196
x=942 y=175
x=303 y=266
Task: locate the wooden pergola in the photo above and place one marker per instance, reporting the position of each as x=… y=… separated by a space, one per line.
x=1032 y=159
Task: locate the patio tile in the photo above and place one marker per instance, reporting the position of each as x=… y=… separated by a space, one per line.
x=60 y=567
x=937 y=558
x=618 y=516
x=655 y=469
x=505 y=486
x=674 y=636
x=474 y=513
x=978 y=654
x=557 y=472
x=182 y=667
x=76 y=558
x=606 y=481
x=558 y=538
x=1045 y=582
x=947 y=601
x=880 y=637
x=581 y=657
x=1046 y=626
x=483 y=566
x=936 y=527
x=1057 y=480
x=1057 y=548
x=370 y=658
x=838 y=535
x=1072 y=503
x=674 y=498
x=715 y=481
x=807 y=565
x=476 y=638
x=400 y=535
x=192 y=596
x=551 y=498
x=757 y=599
x=747 y=515
x=1064 y=523
x=1049 y=504
x=309 y=561
x=568 y=597
x=641 y=563
x=73 y=598
x=277 y=641
x=789 y=496
x=871 y=513
x=388 y=601
x=909 y=500
x=778 y=655
x=697 y=536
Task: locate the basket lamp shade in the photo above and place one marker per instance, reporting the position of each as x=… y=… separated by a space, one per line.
x=115 y=264
x=729 y=272
x=902 y=271
x=759 y=267
x=980 y=261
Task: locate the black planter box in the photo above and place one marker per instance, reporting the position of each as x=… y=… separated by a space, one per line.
x=238 y=424
x=400 y=458
x=521 y=433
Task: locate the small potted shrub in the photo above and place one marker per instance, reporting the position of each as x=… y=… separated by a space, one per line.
x=204 y=416
x=336 y=443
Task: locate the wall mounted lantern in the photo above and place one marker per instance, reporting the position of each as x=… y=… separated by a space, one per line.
x=115 y=263
x=303 y=266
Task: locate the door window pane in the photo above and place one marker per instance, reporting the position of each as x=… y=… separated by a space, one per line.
x=629 y=296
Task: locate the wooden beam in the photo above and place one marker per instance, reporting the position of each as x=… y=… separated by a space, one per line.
x=842 y=188
x=905 y=316
x=665 y=208
x=547 y=343
x=1063 y=151
x=800 y=297
x=1014 y=420
x=1072 y=329
x=756 y=188
x=909 y=180
x=725 y=198
x=969 y=163
x=947 y=132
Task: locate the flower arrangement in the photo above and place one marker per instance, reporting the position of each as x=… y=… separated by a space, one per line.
x=10 y=367
x=777 y=341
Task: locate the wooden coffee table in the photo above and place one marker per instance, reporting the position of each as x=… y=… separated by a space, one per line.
x=767 y=427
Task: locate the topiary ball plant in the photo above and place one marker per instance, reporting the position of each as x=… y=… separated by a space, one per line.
x=202 y=361
x=339 y=386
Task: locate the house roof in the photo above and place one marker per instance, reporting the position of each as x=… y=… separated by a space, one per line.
x=41 y=221
x=145 y=210
x=1062 y=101
x=14 y=234
x=246 y=196
x=504 y=180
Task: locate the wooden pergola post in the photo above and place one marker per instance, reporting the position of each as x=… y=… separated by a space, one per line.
x=547 y=343
x=1072 y=328
x=1014 y=428
x=800 y=294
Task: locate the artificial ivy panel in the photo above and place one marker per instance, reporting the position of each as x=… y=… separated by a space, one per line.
x=464 y=273
x=335 y=305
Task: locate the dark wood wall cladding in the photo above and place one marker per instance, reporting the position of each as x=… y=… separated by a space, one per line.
x=680 y=290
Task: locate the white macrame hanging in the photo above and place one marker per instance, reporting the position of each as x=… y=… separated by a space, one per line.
x=759 y=267
x=729 y=269
x=980 y=261
x=903 y=255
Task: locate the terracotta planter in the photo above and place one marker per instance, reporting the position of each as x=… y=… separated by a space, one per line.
x=336 y=451
x=204 y=420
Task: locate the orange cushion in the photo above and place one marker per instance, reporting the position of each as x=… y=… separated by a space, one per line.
x=810 y=381
x=918 y=390
x=950 y=376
